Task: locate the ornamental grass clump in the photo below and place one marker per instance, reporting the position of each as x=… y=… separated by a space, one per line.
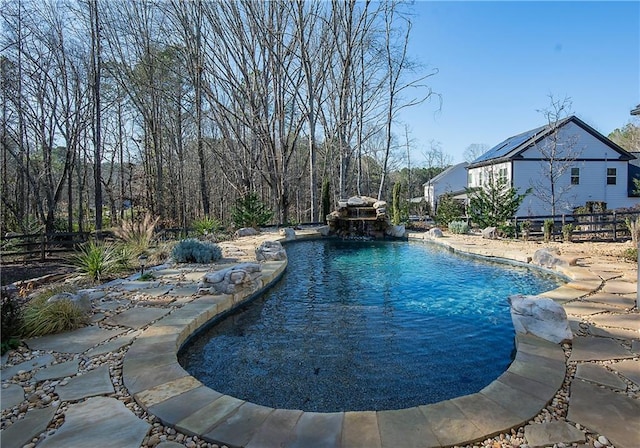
x=96 y=260
x=41 y=317
x=192 y=250
x=459 y=227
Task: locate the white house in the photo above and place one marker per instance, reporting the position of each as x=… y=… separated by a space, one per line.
x=587 y=166
x=453 y=180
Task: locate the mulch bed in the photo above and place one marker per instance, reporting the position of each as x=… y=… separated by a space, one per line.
x=19 y=271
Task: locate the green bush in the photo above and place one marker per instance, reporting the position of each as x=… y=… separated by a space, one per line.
x=250 y=211
x=459 y=227
x=448 y=210
x=548 y=229
x=195 y=251
x=630 y=254
x=567 y=232
x=11 y=322
x=41 y=318
x=96 y=259
x=206 y=225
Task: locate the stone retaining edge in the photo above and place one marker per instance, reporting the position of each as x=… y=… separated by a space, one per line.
x=212 y=417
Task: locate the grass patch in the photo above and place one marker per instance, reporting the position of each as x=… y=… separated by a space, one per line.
x=40 y=317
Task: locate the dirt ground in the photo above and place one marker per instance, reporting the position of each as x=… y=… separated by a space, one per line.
x=17 y=271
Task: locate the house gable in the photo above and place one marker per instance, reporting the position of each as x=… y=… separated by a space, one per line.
x=515 y=147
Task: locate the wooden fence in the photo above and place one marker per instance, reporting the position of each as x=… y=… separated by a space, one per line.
x=611 y=226
x=45 y=246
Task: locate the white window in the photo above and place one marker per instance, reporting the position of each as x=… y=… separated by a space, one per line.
x=575 y=176
x=611 y=176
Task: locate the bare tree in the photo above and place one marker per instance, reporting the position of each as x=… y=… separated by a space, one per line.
x=558 y=150
x=474 y=150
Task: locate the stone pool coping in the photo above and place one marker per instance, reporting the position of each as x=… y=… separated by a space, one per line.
x=158 y=383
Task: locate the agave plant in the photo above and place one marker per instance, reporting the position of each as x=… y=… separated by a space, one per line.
x=95 y=259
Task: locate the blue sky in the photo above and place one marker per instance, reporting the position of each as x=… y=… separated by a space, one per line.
x=499 y=61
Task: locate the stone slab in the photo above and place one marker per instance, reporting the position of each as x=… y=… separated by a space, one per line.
x=146 y=373
x=137 y=317
x=407 y=428
x=11 y=395
x=27 y=366
x=583 y=308
x=619 y=287
x=514 y=400
x=488 y=416
x=597 y=349
x=552 y=433
x=277 y=429
x=629 y=368
x=62 y=370
x=540 y=391
x=600 y=375
x=137 y=286
x=157 y=291
x=627 y=321
x=240 y=426
x=360 y=430
x=111 y=304
x=90 y=384
x=179 y=407
x=184 y=290
x=563 y=294
x=605 y=412
x=162 y=392
x=615 y=333
x=450 y=425
x=616 y=300
x=113 y=345
x=317 y=430
x=78 y=341
x=99 y=421
x=206 y=418
x=31 y=425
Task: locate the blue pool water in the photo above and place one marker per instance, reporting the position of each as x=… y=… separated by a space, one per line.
x=367 y=326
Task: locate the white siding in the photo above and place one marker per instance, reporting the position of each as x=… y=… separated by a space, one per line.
x=480 y=176
x=592 y=186
x=578 y=143
x=454 y=180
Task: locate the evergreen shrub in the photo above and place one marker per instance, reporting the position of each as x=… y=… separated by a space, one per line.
x=192 y=250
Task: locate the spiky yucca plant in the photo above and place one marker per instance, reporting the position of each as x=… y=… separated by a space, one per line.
x=137 y=233
x=95 y=259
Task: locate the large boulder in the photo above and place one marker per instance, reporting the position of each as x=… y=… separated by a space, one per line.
x=79 y=301
x=379 y=204
x=396 y=231
x=541 y=317
x=324 y=230
x=288 y=233
x=246 y=231
x=227 y=281
x=548 y=258
x=435 y=233
x=490 y=233
x=355 y=201
x=270 y=251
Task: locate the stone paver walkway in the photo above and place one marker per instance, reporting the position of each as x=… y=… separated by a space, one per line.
x=150 y=320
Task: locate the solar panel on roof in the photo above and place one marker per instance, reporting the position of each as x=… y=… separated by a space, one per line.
x=505 y=147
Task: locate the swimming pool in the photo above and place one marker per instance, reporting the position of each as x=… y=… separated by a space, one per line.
x=366 y=326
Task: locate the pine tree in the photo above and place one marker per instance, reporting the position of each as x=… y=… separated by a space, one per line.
x=495 y=203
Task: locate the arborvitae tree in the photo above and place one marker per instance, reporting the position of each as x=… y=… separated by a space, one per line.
x=495 y=203
x=326 y=200
x=396 y=206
